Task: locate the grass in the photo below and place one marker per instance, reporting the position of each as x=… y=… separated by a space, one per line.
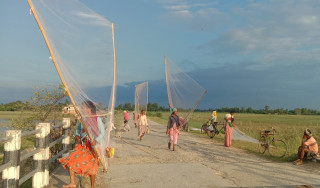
x=289 y=128
x=26 y=142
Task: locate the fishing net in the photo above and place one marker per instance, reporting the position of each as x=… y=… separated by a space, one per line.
x=141 y=97
x=81 y=46
x=239 y=135
x=184 y=93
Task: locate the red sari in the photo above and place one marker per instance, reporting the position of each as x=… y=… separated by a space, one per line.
x=83 y=160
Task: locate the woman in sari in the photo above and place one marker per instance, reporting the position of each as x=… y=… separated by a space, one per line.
x=228 y=129
x=142 y=124
x=83 y=160
x=173 y=128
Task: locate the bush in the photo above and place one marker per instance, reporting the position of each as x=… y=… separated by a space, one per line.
x=154 y=114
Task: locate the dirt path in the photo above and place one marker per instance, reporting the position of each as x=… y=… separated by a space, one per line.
x=198 y=162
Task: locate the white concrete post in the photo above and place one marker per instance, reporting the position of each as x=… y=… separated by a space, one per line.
x=41 y=163
x=65 y=132
x=10 y=175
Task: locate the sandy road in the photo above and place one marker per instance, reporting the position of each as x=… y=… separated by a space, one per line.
x=198 y=162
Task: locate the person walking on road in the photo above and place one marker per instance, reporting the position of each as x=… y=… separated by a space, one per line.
x=173 y=128
x=125 y=121
x=142 y=124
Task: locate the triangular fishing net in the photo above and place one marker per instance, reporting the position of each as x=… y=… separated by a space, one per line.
x=141 y=97
x=184 y=93
x=81 y=45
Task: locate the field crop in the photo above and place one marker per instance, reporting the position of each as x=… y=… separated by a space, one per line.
x=289 y=127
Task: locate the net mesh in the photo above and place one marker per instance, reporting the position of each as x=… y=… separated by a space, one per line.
x=81 y=43
x=141 y=97
x=184 y=93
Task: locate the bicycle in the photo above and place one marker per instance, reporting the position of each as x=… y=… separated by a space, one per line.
x=275 y=147
x=211 y=128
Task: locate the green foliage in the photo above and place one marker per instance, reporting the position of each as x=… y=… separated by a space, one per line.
x=266 y=110
x=154 y=114
x=289 y=128
x=12 y=106
x=151 y=107
x=43 y=103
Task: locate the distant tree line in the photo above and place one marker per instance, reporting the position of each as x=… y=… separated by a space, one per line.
x=151 y=107
x=19 y=105
x=266 y=110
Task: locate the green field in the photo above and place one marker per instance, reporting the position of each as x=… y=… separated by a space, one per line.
x=289 y=128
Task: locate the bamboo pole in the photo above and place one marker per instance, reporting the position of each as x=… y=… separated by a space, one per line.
x=113 y=86
x=135 y=99
x=62 y=79
x=194 y=107
x=147 y=96
x=167 y=82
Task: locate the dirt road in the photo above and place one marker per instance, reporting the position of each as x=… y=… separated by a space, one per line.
x=198 y=162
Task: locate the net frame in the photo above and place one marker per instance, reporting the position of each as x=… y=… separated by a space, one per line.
x=169 y=92
x=102 y=158
x=138 y=89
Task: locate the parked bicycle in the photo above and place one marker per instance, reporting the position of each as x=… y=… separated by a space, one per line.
x=212 y=128
x=268 y=141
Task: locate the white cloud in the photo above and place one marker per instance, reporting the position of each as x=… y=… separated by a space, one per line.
x=268 y=34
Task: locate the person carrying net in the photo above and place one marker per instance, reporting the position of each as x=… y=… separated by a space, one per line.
x=83 y=160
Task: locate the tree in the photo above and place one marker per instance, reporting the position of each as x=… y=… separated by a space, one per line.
x=266 y=109
x=297 y=111
x=43 y=103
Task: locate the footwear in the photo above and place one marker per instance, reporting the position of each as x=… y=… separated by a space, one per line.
x=69 y=186
x=298 y=162
x=294 y=162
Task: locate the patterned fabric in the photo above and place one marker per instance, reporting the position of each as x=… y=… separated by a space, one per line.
x=82 y=160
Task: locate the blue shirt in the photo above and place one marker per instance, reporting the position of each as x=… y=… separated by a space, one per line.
x=83 y=135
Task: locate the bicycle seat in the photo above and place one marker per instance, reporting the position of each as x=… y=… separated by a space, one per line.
x=266 y=131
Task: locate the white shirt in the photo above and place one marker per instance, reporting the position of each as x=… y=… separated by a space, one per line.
x=143 y=120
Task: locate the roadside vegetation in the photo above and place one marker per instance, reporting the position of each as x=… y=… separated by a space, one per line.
x=289 y=128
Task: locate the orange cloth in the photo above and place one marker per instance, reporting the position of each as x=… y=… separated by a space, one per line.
x=312 y=145
x=82 y=160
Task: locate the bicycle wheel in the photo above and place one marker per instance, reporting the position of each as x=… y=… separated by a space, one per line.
x=278 y=148
x=211 y=132
x=263 y=144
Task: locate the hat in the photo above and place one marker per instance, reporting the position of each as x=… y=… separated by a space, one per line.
x=307 y=132
x=173 y=110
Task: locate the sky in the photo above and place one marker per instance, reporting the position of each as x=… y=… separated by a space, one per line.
x=245 y=53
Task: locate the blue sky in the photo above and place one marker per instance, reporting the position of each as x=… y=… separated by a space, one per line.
x=245 y=53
